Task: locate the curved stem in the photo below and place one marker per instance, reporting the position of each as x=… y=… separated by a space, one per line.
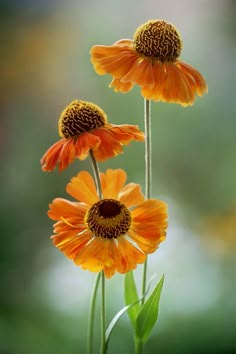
x=148 y=173
x=103 y=317
x=92 y=315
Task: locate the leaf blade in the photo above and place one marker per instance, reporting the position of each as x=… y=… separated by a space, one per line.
x=131 y=296
x=148 y=313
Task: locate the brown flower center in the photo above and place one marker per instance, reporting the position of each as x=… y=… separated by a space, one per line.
x=80 y=117
x=108 y=218
x=158 y=40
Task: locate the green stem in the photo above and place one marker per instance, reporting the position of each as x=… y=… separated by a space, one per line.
x=94 y=295
x=92 y=315
x=138 y=346
x=148 y=173
x=148 y=185
x=103 y=303
x=96 y=174
x=103 y=317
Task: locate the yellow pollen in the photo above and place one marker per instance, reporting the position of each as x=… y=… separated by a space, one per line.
x=158 y=40
x=108 y=219
x=79 y=117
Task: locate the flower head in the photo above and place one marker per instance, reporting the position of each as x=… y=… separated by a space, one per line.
x=83 y=127
x=112 y=234
x=150 y=60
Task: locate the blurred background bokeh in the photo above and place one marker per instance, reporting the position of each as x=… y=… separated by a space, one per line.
x=45 y=64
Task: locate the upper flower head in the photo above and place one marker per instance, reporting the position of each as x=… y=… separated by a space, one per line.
x=112 y=234
x=150 y=60
x=83 y=127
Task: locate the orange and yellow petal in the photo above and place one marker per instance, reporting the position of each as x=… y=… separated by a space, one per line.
x=149 y=224
x=112 y=137
x=115 y=60
x=131 y=195
x=51 y=156
x=119 y=86
x=97 y=255
x=200 y=83
x=127 y=256
x=112 y=182
x=67 y=154
x=61 y=207
x=71 y=245
x=82 y=188
x=141 y=74
x=125 y=133
x=108 y=147
x=84 y=143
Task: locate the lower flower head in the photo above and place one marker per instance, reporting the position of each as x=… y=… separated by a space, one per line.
x=150 y=60
x=83 y=127
x=113 y=234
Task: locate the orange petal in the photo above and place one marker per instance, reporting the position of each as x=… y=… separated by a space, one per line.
x=109 y=145
x=127 y=256
x=62 y=207
x=131 y=195
x=151 y=211
x=141 y=73
x=82 y=188
x=112 y=182
x=201 y=86
x=115 y=60
x=121 y=86
x=67 y=154
x=50 y=158
x=154 y=92
x=71 y=245
x=84 y=143
x=125 y=133
x=96 y=255
x=146 y=245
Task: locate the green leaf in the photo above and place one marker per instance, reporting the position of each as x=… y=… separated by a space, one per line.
x=131 y=296
x=148 y=313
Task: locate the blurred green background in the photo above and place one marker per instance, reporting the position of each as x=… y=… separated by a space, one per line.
x=45 y=64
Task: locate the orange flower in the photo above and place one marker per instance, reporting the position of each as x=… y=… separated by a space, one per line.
x=112 y=234
x=83 y=127
x=151 y=61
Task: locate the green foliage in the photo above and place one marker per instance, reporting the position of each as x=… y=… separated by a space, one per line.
x=148 y=313
x=131 y=296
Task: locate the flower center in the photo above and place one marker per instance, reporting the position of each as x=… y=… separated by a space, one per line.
x=158 y=40
x=108 y=218
x=80 y=117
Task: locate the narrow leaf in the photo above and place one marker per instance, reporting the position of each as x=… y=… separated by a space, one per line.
x=148 y=313
x=131 y=296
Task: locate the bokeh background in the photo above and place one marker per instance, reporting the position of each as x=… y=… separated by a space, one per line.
x=45 y=64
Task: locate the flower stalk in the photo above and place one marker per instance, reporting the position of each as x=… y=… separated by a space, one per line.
x=148 y=174
x=103 y=301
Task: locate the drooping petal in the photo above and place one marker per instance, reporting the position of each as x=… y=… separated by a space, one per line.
x=84 y=143
x=112 y=182
x=200 y=83
x=112 y=137
x=67 y=154
x=115 y=60
x=50 y=158
x=82 y=188
x=159 y=75
x=119 y=86
x=125 y=133
x=131 y=195
x=141 y=74
x=109 y=146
